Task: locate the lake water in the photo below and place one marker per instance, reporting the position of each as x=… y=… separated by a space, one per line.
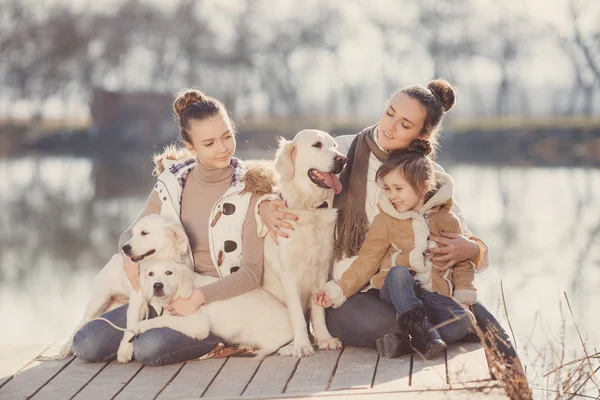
x=61 y=218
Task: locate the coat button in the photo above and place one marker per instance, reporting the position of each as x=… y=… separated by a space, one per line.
x=230 y=246
x=228 y=208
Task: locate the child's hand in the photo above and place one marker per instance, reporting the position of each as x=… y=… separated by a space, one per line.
x=322 y=300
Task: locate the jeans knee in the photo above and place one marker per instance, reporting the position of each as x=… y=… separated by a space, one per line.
x=89 y=348
x=146 y=349
x=400 y=275
x=149 y=349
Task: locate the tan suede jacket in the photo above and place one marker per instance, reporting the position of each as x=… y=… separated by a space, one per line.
x=401 y=239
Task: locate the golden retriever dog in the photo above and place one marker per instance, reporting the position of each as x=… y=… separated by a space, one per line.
x=307 y=168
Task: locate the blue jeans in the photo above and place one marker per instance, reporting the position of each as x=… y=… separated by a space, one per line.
x=399 y=289
x=97 y=341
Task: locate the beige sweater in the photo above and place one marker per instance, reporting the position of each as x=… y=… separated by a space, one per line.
x=203 y=188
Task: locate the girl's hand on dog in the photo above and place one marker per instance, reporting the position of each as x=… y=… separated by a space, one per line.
x=133 y=272
x=456 y=248
x=322 y=300
x=275 y=219
x=186 y=307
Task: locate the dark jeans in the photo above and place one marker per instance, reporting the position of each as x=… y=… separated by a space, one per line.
x=364 y=317
x=97 y=341
x=399 y=289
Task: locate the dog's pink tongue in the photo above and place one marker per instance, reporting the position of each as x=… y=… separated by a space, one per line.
x=332 y=181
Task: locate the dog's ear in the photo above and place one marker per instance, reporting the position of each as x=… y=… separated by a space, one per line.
x=185 y=278
x=174 y=231
x=285 y=159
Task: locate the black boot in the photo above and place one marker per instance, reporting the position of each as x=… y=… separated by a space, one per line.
x=393 y=345
x=424 y=338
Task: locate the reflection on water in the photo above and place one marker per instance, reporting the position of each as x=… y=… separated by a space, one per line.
x=62 y=218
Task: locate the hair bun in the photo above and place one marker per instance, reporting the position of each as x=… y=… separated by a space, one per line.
x=186 y=98
x=444 y=92
x=421 y=145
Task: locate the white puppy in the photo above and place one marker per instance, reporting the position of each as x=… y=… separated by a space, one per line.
x=166 y=244
x=307 y=168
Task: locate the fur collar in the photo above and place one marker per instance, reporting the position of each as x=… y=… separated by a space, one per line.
x=441 y=198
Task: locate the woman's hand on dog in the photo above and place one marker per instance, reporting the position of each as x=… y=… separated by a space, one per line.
x=456 y=248
x=322 y=300
x=133 y=272
x=275 y=219
x=186 y=307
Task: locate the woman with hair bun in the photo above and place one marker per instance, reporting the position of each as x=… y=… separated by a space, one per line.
x=200 y=186
x=416 y=203
x=414 y=112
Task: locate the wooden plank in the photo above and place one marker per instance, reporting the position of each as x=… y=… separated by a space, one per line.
x=193 y=379
x=393 y=374
x=233 y=378
x=70 y=380
x=356 y=369
x=272 y=376
x=148 y=382
x=429 y=374
x=458 y=394
x=313 y=373
x=467 y=363
x=109 y=381
x=34 y=376
x=14 y=358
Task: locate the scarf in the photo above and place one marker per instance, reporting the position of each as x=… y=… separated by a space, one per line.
x=352 y=223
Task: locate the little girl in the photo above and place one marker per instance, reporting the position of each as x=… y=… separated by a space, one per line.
x=417 y=203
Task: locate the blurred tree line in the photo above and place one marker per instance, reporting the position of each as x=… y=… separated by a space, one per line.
x=258 y=55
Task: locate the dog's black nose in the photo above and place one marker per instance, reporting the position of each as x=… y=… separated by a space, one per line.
x=158 y=286
x=126 y=248
x=338 y=163
x=341 y=159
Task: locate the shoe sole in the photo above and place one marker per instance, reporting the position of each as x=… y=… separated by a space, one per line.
x=435 y=350
x=383 y=348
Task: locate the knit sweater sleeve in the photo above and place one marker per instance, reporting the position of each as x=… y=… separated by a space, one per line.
x=249 y=275
x=372 y=252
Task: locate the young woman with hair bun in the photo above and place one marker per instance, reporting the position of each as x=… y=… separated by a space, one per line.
x=200 y=186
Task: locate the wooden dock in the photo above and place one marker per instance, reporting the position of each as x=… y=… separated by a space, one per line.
x=352 y=373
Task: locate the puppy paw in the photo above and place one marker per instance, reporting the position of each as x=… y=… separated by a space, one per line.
x=125 y=352
x=297 y=350
x=329 y=344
